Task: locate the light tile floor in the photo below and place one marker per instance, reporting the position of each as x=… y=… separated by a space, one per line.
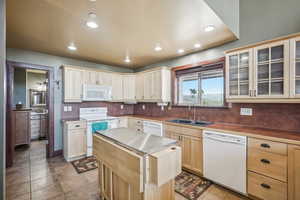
x=33 y=177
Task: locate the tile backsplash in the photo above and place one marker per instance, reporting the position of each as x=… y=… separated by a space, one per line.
x=274 y=116
x=114 y=109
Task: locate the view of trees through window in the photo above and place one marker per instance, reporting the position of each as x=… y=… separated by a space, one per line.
x=204 y=88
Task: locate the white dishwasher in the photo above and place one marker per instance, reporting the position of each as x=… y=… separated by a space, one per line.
x=225 y=159
x=153 y=128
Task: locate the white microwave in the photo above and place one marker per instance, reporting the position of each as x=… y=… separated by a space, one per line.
x=96 y=92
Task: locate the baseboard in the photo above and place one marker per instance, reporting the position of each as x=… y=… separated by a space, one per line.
x=58 y=153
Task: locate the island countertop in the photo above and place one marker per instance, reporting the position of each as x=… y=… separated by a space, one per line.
x=138 y=141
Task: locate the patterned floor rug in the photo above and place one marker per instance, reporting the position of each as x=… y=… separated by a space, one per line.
x=190 y=186
x=85 y=164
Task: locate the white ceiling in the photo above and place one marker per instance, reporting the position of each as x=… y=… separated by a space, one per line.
x=132 y=27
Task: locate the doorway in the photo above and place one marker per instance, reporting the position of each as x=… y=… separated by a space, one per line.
x=30 y=109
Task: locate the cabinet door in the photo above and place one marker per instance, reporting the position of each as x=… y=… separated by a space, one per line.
x=295 y=67
x=197 y=155
x=90 y=77
x=293 y=172
x=148 y=85
x=139 y=86
x=117 y=87
x=104 y=78
x=156 y=85
x=128 y=87
x=239 y=74
x=77 y=142
x=271 y=70
x=21 y=127
x=73 y=85
x=186 y=151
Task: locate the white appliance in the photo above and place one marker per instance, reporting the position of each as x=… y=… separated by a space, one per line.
x=225 y=158
x=96 y=92
x=95 y=115
x=154 y=128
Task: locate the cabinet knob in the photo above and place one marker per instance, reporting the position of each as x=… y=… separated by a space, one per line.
x=265 y=161
x=266 y=186
x=264 y=145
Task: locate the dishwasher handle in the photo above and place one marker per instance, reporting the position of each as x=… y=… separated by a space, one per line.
x=237 y=141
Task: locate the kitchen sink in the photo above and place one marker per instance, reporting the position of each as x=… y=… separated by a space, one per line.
x=191 y=122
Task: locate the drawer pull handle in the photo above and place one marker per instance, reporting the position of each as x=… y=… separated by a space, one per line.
x=265 y=161
x=265 y=186
x=264 y=145
x=77 y=126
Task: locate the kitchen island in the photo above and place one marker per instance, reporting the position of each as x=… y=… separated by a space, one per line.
x=136 y=166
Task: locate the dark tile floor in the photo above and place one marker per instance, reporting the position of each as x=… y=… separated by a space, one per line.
x=37 y=178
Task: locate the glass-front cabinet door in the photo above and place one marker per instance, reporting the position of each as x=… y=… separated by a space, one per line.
x=239 y=74
x=295 y=67
x=271 y=70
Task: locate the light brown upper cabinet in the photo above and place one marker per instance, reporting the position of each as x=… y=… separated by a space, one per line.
x=295 y=67
x=148 y=86
x=90 y=77
x=239 y=74
x=129 y=87
x=268 y=72
x=73 y=80
x=157 y=85
x=117 y=87
x=271 y=70
x=139 y=86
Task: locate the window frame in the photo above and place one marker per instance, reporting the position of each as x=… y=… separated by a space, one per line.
x=178 y=79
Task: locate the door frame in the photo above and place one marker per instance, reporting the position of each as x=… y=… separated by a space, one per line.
x=10 y=66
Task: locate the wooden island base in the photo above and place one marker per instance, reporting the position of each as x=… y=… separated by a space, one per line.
x=127 y=175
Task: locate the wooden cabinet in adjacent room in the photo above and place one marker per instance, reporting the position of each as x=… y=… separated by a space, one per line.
x=293 y=172
x=21 y=127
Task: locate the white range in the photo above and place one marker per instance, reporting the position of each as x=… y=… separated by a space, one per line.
x=96 y=115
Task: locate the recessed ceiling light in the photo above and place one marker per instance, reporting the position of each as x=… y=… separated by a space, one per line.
x=92 y=24
x=127 y=59
x=93 y=0
x=72 y=47
x=209 y=28
x=197 y=45
x=158 y=48
x=180 y=50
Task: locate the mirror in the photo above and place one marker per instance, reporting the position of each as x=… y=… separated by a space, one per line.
x=37 y=98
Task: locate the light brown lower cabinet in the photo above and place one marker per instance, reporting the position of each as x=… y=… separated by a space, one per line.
x=192 y=147
x=126 y=175
x=293 y=172
x=266 y=188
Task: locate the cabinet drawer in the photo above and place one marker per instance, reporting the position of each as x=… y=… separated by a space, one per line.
x=191 y=132
x=77 y=125
x=268 y=146
x=266 y=188
x=269 y=164
x=174 y=129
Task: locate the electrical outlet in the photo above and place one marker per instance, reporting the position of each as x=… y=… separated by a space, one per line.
x=122 y=106
x=69 y=108
x=144 y=107
x=246 y=111
x=65 y=108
